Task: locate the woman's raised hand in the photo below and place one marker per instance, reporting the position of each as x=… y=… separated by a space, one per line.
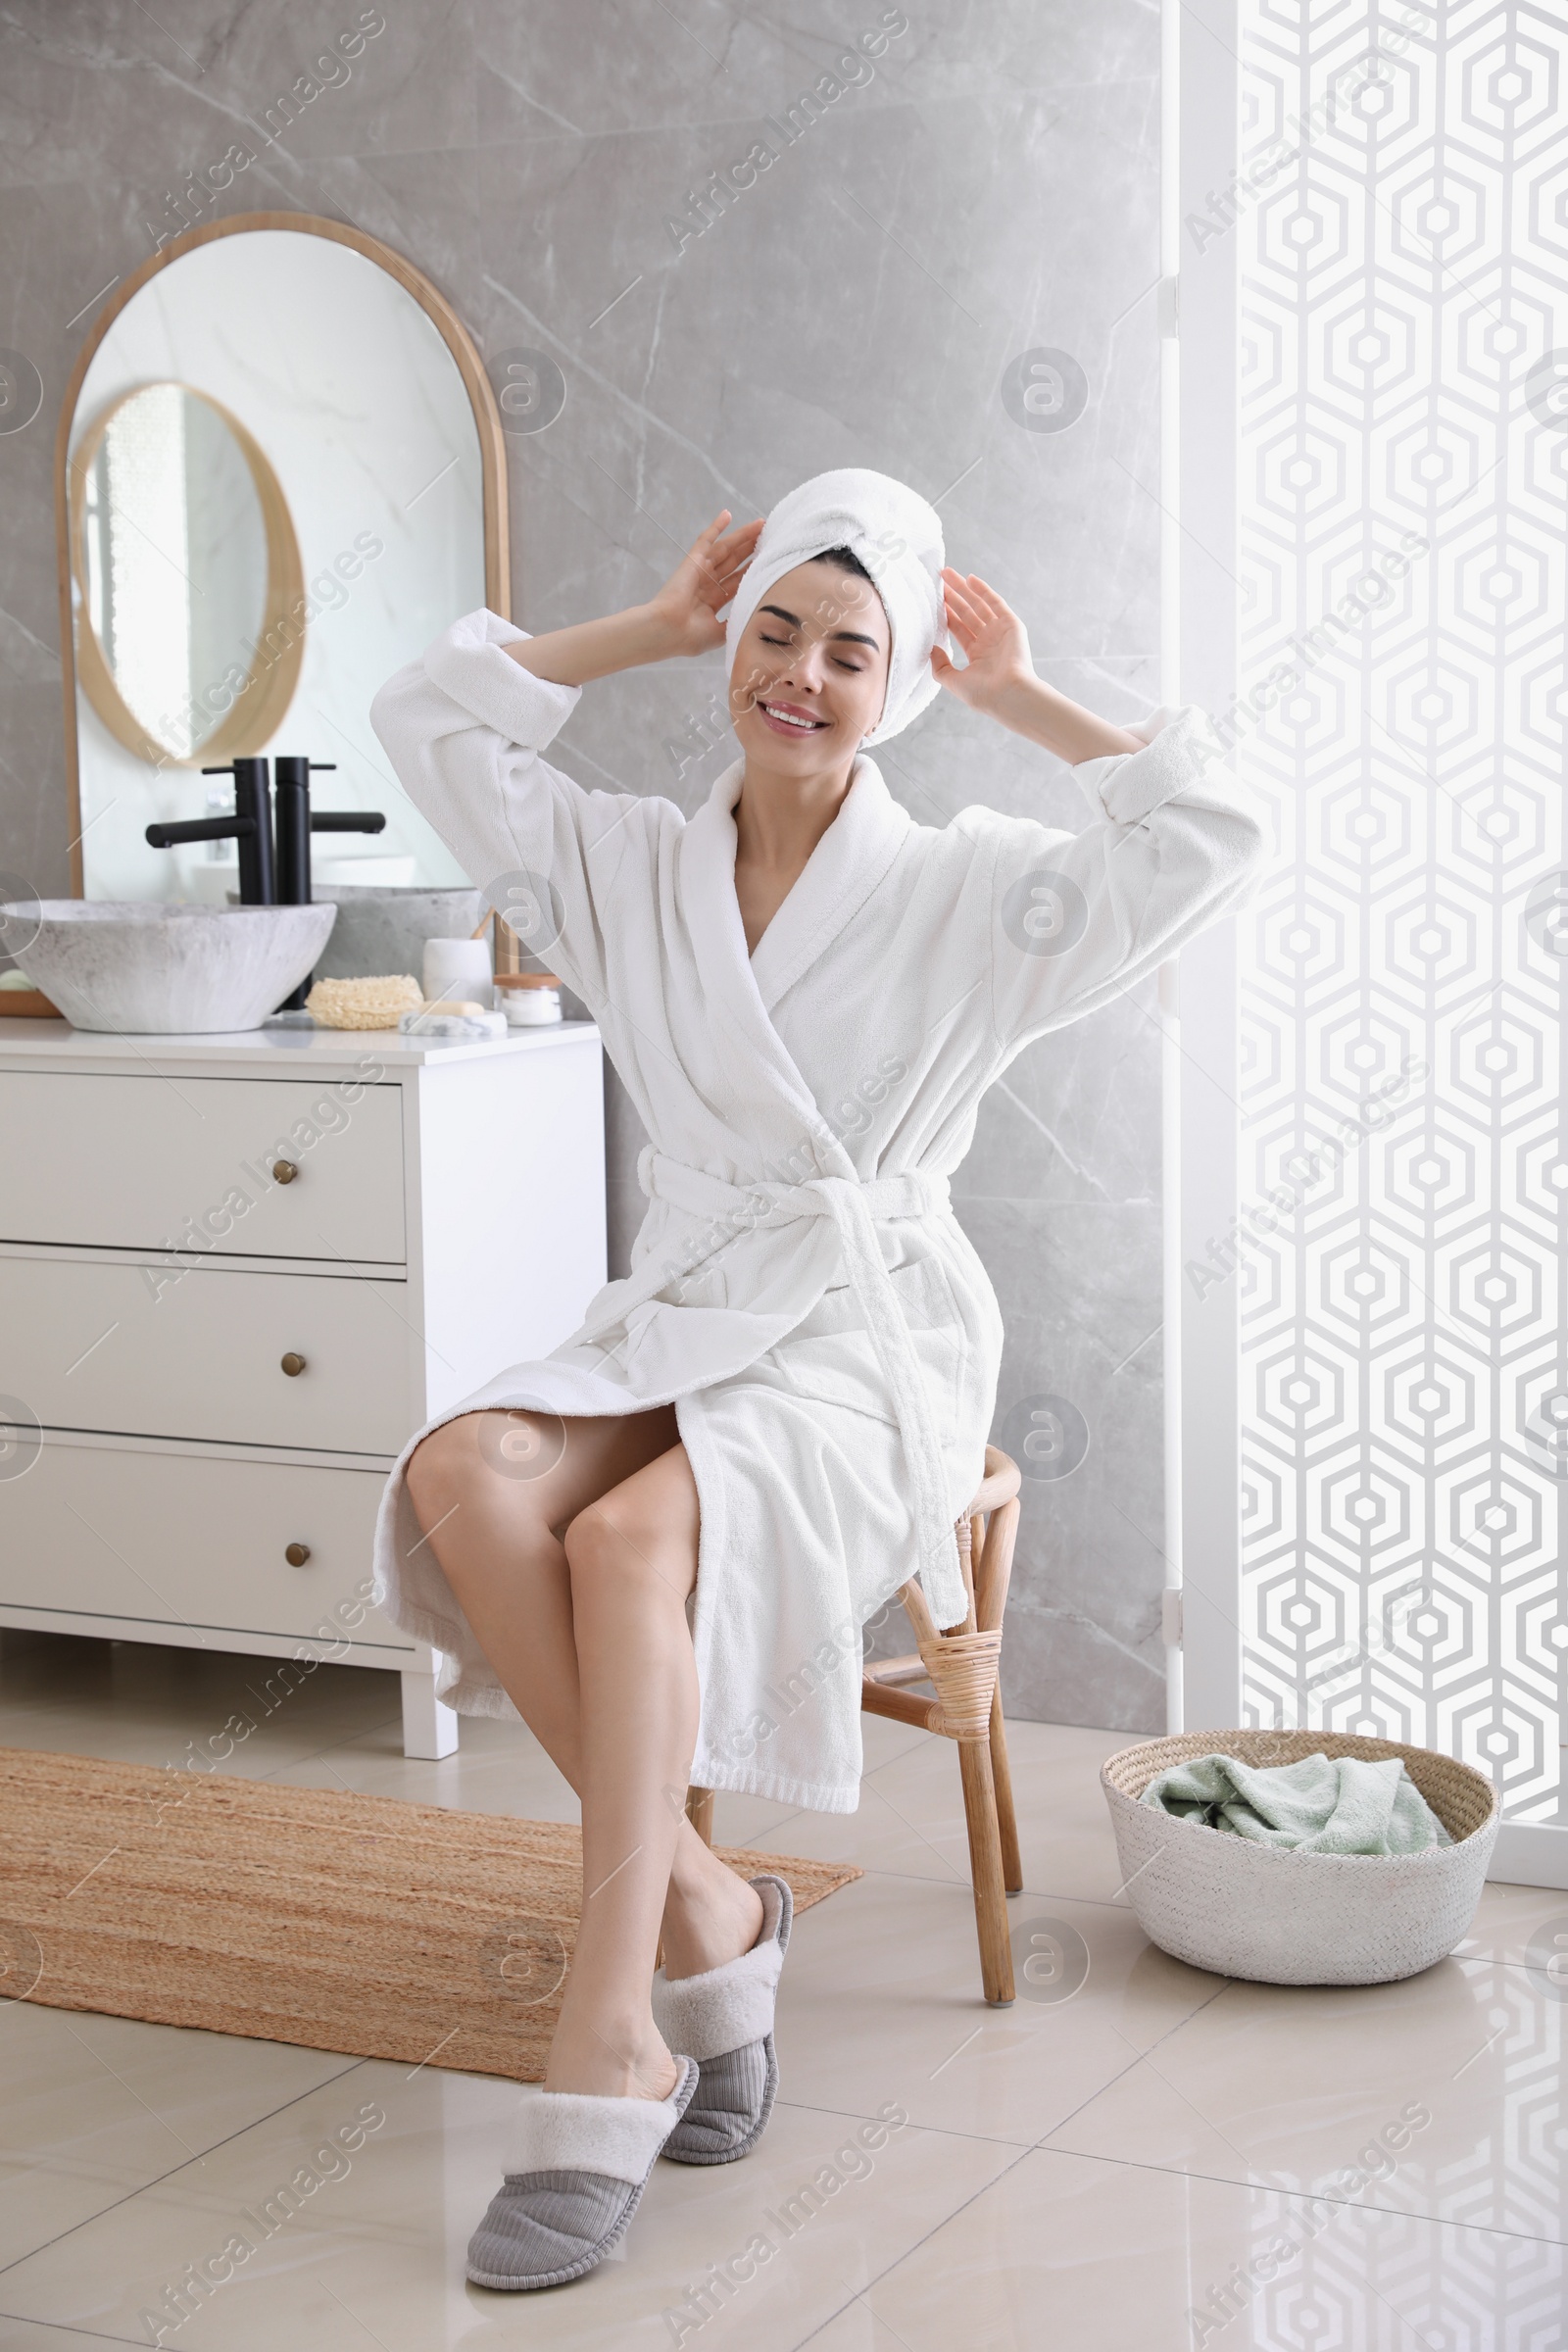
x=991 y=637
x=682 y=619
x=999 y=678
x=686 y=608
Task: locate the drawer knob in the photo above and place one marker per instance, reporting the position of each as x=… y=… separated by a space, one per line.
x=297 y=1554
x=293 y=1364
x=284 y=1172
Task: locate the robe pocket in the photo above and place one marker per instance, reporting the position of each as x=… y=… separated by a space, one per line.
x=830 y=1359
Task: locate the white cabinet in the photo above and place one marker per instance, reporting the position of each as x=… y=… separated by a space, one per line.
x=276 y=1359
x=149 y=1161
x=189 y=1544
x=235 y=1274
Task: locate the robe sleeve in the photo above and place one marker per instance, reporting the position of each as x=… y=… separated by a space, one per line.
x=1077 y=918
x=464 y=727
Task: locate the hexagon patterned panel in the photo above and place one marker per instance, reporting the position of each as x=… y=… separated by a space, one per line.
x=1402 y=217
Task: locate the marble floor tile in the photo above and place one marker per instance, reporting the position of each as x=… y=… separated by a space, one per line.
x=1527 y=1925
x=1065 y=2252
x=94 y=2108
x=1100 y=2166
x=1440 y=2096
x=141 y=1703
x=373 y=2253
x=756 y=1821
x=881 y=1999
x=212 y=1742
x=30 y=2335
x=21 y=1718
x=911 y=1817
x=499 y=1767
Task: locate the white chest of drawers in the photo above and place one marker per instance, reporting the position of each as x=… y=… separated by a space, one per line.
x=235 y=1274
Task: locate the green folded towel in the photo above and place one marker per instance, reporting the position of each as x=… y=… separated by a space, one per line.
x=1318 y=1806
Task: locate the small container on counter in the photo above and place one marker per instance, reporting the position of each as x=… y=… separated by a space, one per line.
x=530 y=999
x=457 y=968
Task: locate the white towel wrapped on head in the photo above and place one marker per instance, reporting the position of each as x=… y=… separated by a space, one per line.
x=898 y=537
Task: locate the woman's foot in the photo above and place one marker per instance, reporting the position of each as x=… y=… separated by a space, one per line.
x=573 y=2180
x=712 y=1915
x=724 y=2017
x=606 y=2064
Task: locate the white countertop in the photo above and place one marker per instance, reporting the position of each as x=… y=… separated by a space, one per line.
x=276 y=1045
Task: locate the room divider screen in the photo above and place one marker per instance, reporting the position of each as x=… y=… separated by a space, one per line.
x=1398 y=219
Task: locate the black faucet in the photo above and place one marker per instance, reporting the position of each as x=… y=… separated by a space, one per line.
x=250 y=827
x=295 y=820
x=268 y=877
x=272 y=875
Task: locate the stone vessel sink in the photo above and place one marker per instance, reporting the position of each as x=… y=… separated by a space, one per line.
x=144 y=969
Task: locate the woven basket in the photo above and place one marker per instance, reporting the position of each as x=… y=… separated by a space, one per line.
x=1279 y=1917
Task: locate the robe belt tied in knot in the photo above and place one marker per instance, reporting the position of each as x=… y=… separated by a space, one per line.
x=857 y=1209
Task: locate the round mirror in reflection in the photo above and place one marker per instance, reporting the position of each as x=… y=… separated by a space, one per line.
x=189 y=613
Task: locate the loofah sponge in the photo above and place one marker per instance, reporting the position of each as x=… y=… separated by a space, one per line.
x=364 y=1003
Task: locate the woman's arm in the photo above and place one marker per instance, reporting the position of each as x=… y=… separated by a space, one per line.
x=682 y=619
x=999 y=678
x=1075 y=919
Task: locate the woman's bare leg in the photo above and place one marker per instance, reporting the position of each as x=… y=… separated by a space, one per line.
x=633 y=1557
x=498 y=1493
x=495 y=1493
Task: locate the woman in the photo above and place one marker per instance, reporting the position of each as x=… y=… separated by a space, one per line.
x=659 y=1544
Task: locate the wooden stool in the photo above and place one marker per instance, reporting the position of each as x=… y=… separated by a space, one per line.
x=961 y=1668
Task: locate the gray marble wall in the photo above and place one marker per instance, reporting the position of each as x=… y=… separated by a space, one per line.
x=982 y=190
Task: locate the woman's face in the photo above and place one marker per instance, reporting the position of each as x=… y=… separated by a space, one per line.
x=810 y=670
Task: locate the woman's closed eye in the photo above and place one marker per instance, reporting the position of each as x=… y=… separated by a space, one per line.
x=854 y=667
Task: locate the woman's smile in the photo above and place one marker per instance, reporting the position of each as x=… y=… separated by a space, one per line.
x=789 y=718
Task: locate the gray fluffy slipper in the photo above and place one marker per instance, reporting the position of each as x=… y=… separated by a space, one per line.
x=576 y=2176
x=724 y=2017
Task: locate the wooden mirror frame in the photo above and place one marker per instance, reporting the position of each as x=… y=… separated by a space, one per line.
x=471 y=367
x=242 y=728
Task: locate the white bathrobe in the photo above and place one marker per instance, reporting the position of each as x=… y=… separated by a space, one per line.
x=801 y=1289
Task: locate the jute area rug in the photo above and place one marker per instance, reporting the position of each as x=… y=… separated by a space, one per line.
x=347 y=1922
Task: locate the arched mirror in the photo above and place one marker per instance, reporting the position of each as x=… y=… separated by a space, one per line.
x=280 y=474
x=185 y=566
